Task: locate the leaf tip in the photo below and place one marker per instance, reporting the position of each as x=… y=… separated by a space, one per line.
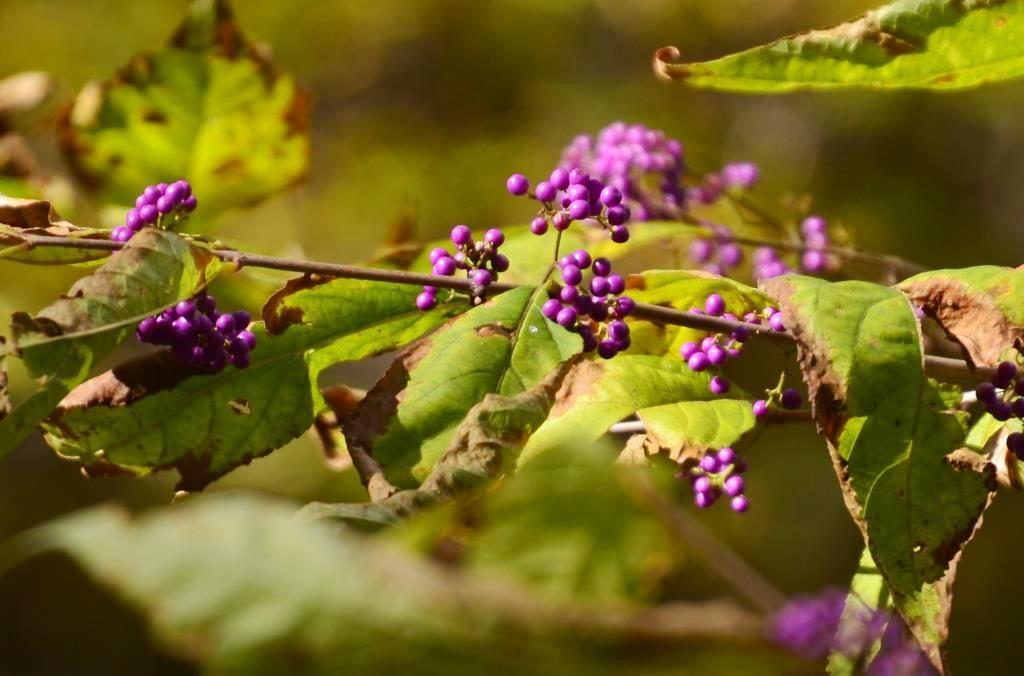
x=664 y=67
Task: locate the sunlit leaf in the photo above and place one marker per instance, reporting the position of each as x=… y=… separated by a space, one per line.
x=920 y=44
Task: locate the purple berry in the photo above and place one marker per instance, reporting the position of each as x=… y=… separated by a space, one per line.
x=602 y=267
x=185 y=308
x=734 y=485
x=482 y=277
x=500 y=262
x=791 y=399
x=599 y=311
x=494 y=237
x=618 y=214
x=444 y=267
x=726 y=455
x=437 y=253
x=569 y=294
x=132 y=220
x=709 y=463
x=248 y=336
x=760 y=408
x=703 y=500
x=607 y=348
x=183 y=327
x=1004 y=374
x=582 y=259
x=610 y=196
x=814 y=225
x=571 y=274
x=242 y=319
x=775 y=322
x=579 y=210
x=559 y=178
x=190 y=203
x=226 y=324
x=589 y=339
x=546 y=192
x=698 y=362
x=426 y=301
x=461 y=235
x=578 y=192
x=1015 y=442
x=1000 y=410
x=600 y=286
x=702 y=484
x=148 y=214
x=739 y=504
x=620 y=234
x=719 y=385
x=561 y=220
x=240 y=361
x=577 y=176
x=624 y=306
x=539 y=225
x=1017 y=406
x=714 y=305
x=517 y=185
x=813 y=261
x=121 y=234
x=716 y=355
x=566 y=317
x=618 y=330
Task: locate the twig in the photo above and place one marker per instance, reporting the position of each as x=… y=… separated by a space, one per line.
x=945 y=368
x=778 y=417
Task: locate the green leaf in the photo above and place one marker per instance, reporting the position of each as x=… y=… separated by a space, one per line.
x=889 y=433
x=504 y=346
x=597 y=394
x=37 y=217
x=908 y=44
x=149 y=414
x=687 y=427
x=209 y=107
x=982 y=308
x=567 y=524
x=66 y=340
x=312 y=601
x=684 y=290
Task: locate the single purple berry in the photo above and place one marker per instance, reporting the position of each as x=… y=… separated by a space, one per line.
x=240 y=361
x=1004 y=374
x=791 y=399
x=578 y=192
x=517 y=185
x=618 y=214
x=618 y=330
x=566 y=317
x=185 y=308
x=561 y=220
x=582 y=259
x=1017 y=406
x=426 y=301
x=714 y=305
x=698 y=361
x=599 y=286
x=461 y=235
x=814 y=225
x=584 y=304
x=701 y=250
x=546 y=192
x=719 y=385
x=559 y=178
x=730 y=255
x=1015 y=442
x=121 y=234
x=226 y=324
x=437 y=253
x=624 y=306
x=602 y=267
x=500 y=263
x=610 y=196
x=248 y=336
x=579 y=210
x=494 y=237
x=132 y=220
x=739 y=504
x=616 y=284
x=775 y=322
x=813 y=261
x=569 y=294
x=444 y=267
x=708 y=342
x=760 y=408
x=709 y=463
x=190 y=203
x=726 y=455
x=703 y=500
x=183 y=327
x=734 y=485
x=589 y=339
x=607 y=348
x=716 y=355
x=620 y=234
x=577 y=176
x=482 y=277
x=148 y=214
x=702 y=484
x=571 y=274
x=1000 y=410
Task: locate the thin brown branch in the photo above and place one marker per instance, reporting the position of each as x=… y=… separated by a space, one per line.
x=944 y=368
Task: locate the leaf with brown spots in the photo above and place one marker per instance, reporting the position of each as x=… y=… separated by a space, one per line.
x=63 y=342
x=889 y=432
x=907 y=44
x=504 y=346
x=981 y=308
x=208 y=107
x=150 y=414
x=674 y=400
x=38 y=217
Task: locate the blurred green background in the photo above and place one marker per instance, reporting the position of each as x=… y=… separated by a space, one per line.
x=423 y=107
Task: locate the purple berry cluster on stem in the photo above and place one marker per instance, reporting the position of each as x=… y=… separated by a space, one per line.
x=719 y=473
x=814 y=258
x=164 y=205
x=1003 y=398
x=200 y=336
x=596 y=310
x=734 y=176
x=717 y=254
x=574 y=195
x=642 y=163
x=711 y=352
x=480 y=260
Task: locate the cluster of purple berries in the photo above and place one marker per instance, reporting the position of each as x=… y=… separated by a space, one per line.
x=598 y=311
x=164 y=205
x=643 y=164
x=738 y=175
x=574 y=195
x=480 y=260
x=816 y=626
x=200 y=336
x=1002 y=398
x=717 y=348
x=719 y=473
x=815 y=259
x=717 y=254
